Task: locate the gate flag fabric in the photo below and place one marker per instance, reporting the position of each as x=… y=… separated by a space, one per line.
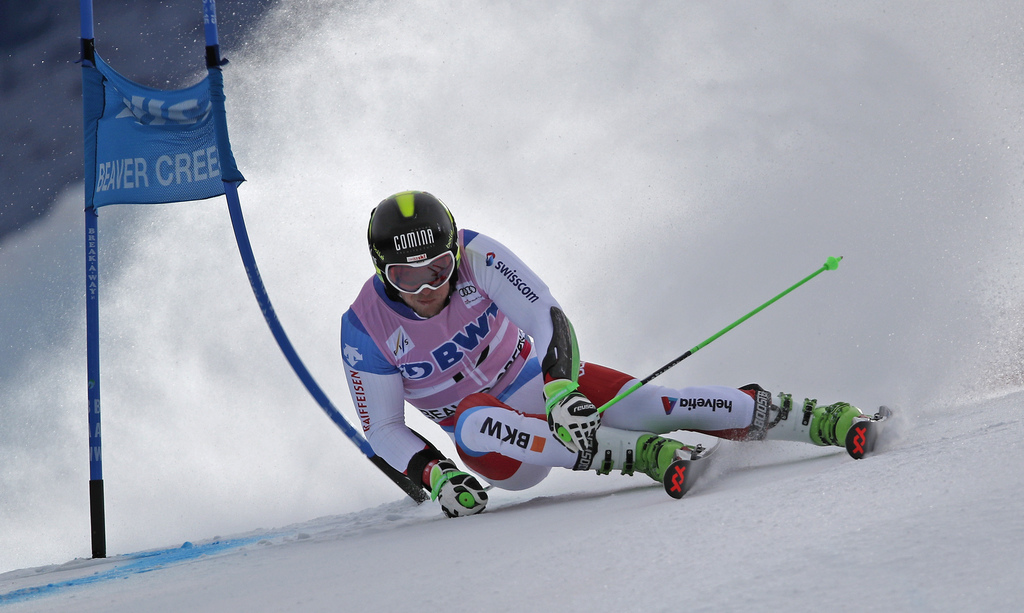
x=150 y=146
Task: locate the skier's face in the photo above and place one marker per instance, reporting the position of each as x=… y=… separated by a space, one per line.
x=428 y=302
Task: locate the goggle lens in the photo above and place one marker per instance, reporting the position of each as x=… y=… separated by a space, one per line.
x=429 y=274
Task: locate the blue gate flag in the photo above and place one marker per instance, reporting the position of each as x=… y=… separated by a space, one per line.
x=148 y=146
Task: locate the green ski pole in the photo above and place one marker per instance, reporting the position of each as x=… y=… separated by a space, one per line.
x=830 y=264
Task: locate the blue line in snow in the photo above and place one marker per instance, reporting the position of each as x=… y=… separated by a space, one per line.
x=136 y=563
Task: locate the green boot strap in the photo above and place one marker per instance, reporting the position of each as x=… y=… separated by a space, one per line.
x=439 y=477
x=809 y=405
x=556 y=390
x=785 y=406
x=607 y=464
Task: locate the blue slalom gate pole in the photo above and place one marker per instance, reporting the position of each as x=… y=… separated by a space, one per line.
x=232 y=177
x=92 y=318
x=99 y=103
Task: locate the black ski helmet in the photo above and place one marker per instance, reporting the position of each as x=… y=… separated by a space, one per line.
x=409 y=227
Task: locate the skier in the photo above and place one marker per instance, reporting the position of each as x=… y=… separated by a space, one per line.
x=458 y=326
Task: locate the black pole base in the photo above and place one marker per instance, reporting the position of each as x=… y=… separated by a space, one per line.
x=99 y=531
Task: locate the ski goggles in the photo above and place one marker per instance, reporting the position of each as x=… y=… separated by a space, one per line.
x=429 y=274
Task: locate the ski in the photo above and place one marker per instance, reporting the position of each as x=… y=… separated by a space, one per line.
x=863 y=434
x=684 y=472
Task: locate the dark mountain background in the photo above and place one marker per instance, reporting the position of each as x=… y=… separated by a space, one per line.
x=154 y=42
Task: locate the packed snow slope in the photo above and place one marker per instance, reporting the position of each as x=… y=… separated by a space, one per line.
x=931 y=523
x=666 y=167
